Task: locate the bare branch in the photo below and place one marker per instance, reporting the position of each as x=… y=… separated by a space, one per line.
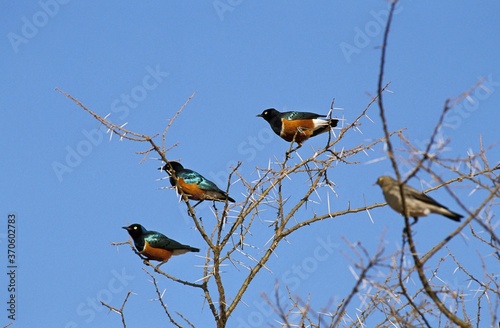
x=120 y=310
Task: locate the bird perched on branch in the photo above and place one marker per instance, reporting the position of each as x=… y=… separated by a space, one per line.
x=193 y=185
x=417 y=203
x=154 y=245
x=297 y=126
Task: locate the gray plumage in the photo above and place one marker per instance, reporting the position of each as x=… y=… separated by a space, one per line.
x=417 y=203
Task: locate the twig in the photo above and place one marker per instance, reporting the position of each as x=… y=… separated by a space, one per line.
x=120 y=310
x=160 y=299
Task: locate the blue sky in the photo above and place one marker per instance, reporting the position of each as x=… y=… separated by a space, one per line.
x=72 y=189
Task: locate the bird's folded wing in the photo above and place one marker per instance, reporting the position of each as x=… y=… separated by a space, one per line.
x=302 y=116
x=426 y=199
x=191 y=177
x=165 y=243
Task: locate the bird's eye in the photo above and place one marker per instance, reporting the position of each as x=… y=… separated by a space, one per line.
x=265 y=113
x=135 y=228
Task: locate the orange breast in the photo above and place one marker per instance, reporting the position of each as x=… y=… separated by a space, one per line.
x=303 y=128
x=191 y=190
x=157 y=254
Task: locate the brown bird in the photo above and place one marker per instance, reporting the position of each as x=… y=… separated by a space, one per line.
x=417 y=203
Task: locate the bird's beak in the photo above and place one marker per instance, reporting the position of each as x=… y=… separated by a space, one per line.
x=259 y=115
x=160 y=168
x=126 y=228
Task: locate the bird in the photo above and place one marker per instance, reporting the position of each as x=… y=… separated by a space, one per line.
x=155 y=245
x=297 y=126
x=194 y=185
x=417 y=203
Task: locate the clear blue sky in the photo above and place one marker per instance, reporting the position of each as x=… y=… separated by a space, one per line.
x=72 y=189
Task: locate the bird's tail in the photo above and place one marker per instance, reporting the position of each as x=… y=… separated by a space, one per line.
x=454 y=216
x=333 y=122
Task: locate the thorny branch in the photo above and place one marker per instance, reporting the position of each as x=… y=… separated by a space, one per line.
x=419 y=265
x=120 y=310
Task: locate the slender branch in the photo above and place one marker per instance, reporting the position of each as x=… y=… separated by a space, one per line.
x=160 y=299
x=402 y=284
x=425 y=282
x=120 y=310
x=373 y=261
x=459 y=229
x=390 y=150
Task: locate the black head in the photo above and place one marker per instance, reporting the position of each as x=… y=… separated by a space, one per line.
x=268 y=114
x=135 y=230
x=174 y=165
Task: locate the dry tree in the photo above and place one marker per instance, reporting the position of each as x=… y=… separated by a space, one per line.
x=385 y=299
